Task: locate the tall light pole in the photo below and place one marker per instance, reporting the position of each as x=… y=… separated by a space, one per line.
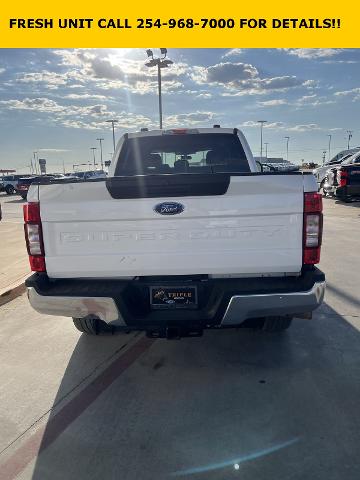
x=93 y=149
x=36 y=157
x=160 y=63
x=287 y=148
x=266 y=146
x=261 y=136
x=101 y=157
x=349 y=132
x=324 y=156
x=329 y=145
x=113 y=130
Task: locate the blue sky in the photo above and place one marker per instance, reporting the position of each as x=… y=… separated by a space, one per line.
x=57 y=101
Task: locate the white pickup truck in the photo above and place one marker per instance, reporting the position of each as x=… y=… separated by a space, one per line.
x=185 y=234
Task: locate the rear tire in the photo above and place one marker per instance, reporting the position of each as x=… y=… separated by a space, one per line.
x=92 y=326
x=276 y=324
x=9 y=189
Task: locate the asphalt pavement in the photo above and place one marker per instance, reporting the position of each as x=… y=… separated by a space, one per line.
x=234 y=404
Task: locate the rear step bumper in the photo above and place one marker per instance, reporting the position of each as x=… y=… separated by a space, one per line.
x=222 y=302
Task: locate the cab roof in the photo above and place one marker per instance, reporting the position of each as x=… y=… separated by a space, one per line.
x=179 y=131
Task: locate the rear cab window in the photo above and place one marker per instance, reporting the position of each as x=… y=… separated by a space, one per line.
x=193 y=153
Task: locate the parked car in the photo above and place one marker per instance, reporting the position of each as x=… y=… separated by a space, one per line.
x=9 y=183
x=343 y=181
x=320 y=172
x=24 y=183
x=278 y=164
x=185 y=234
x=90 y=174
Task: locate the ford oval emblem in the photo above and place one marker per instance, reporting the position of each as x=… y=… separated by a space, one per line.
x=169 y=208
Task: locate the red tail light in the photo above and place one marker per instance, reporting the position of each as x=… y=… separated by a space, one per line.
x=342 y=177
x=313 y=224
x=34 y=237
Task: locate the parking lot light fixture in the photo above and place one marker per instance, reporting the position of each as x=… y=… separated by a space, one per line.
x=324 y=156
x=349 y=132
x=287 y=147
x=100 y=140
x=93 y=150
x=261 y=136
x=266 y=144
x=160 y=62
x=113 y=121
x=330 y=136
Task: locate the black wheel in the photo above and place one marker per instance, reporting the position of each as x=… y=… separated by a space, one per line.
x=9 y=189
x=92 y=326
x=276 y=324
x=23 y=197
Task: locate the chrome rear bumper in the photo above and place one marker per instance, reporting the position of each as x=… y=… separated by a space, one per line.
x=242 y=307
x=239 y=308
x=76 y=307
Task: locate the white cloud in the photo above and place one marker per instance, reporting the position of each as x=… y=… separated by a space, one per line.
x=234 y=52
x=51 y=80
x=289 y=128
x=273 y=103
x=2 y=70
x=303 y=128
x=312 y=100
x=311 y=53
x=349 y=62
x=53 y=150
x=354 y=93
x=186 y=119
x=252 y=123
x=239 y=79
x=56 y=111
x=126 y=121
x=204 y=95
x=234 y=73
x=110 y=69
x=85 y=96
x=44 y=105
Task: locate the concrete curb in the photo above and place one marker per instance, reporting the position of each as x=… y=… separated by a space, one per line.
x=12 y=291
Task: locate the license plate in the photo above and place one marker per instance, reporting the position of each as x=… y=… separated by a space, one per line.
x=173 y=297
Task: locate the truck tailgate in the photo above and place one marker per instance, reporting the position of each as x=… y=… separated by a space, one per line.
x=255 y=228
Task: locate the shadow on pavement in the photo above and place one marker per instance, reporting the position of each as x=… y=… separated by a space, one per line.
x=233 y=404
x=344 y=295
x=354 y=203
